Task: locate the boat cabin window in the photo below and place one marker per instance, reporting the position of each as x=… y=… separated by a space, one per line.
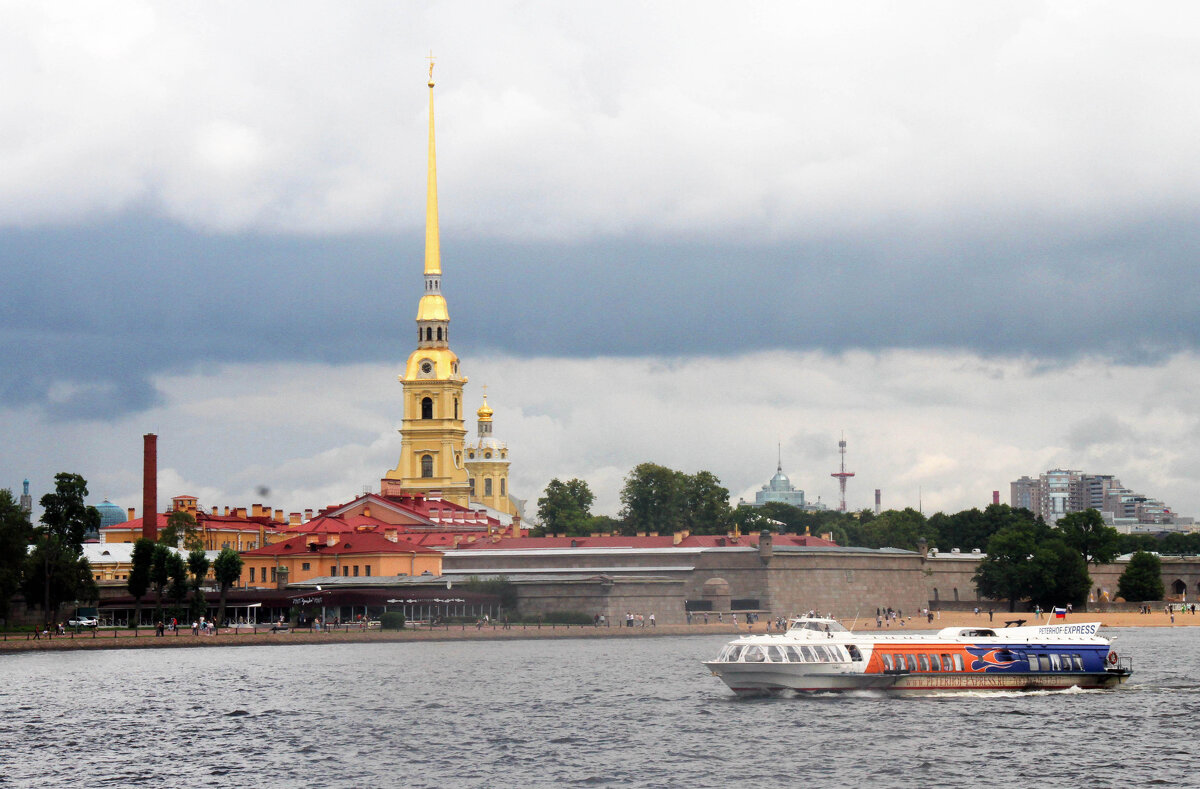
x=794 y=655
x=1077 y=662
x=810 y=655
x=777 y=654
x=946 y=666
x=924 y=661
x=983 y=633
x=854 y=653
x=887 y=662
x=899 y=662
x=1055 y=664
x=754 y=655
x=735 y=654
x=934 y=663
x=818 y=625
x=1033 y=661
x=958 y=663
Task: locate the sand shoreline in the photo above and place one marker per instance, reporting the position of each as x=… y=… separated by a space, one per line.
x=124 y=639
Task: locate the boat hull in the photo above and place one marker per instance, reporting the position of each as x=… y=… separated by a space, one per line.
x=771 y=679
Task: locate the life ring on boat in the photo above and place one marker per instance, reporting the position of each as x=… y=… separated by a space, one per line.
x=1112 y=658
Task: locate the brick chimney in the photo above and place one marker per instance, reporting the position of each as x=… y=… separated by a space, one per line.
x=150 y=486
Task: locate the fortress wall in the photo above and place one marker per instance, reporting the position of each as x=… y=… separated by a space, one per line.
x=663 y=598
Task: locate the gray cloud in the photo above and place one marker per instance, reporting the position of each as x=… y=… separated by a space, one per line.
x=91 y=313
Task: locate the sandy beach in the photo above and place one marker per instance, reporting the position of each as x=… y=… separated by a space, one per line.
x=125 y=639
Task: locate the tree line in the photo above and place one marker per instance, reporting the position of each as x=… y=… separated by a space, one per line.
x=44 y=562
x=1026 y=558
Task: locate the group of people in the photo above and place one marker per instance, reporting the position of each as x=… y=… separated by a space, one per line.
x=639 y=620
x=48 y=628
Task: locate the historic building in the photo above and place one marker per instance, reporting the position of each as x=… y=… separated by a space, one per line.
x=435 y=461
x=487 y=467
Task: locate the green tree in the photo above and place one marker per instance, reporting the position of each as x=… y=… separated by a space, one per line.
x=751 y=520
x=178 y=571
x=566 y=508
x=970 y=529
x=1060 y=574
x=198 y=564
x=15 y=534
x=1087 y=533
x=139 y=574
x=52 y=570
x=1142 y=579
x=1029 y=561
x=65 y=515
x=181 y=532
x=1132 y=543
x=228 y=569
x=706 y=504
x=159 y=576
x=653 y=500
x=603 y=524
x=898 y=529
x=57 y=562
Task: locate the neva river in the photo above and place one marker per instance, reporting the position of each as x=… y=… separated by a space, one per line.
x=594 y=712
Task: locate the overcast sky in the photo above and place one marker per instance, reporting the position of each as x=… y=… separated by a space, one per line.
x=963 y=234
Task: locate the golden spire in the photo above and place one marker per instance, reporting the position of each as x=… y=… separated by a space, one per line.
x=433 y=253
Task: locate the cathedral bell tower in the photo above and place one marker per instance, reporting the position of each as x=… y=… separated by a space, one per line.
x=487 y=463
x=432 y=434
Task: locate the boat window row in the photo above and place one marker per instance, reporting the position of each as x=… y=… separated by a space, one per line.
x=1038 y=661
x=1054 y=661
x=922 y=662
x=778 y=653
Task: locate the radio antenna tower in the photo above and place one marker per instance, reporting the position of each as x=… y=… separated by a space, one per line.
x=843 y=474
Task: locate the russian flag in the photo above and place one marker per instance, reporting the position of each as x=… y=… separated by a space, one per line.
x=1060 y=613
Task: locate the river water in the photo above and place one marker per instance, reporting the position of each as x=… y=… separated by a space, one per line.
x=586 y=712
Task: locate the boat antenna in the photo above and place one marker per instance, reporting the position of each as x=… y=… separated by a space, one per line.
x=855 y=622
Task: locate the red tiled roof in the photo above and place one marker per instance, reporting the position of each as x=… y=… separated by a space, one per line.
x=366 y=542
x=668 y=541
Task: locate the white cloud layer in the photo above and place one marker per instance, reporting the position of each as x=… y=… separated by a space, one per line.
x=775 y=120
x=944 y=430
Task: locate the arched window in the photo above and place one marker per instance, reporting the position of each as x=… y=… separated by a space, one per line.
x=472 y=481
x=487 y=486
x=426 y=466
x=427 y=408
x=429 y=334
x=439 y=332
x=502 y=486
x=456 y=408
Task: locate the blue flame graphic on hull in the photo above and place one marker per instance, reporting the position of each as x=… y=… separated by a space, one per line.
x=991 y=658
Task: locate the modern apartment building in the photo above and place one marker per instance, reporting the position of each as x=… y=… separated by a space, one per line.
x=1058 y=492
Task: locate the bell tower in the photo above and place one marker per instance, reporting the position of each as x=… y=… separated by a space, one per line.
x=432 y=433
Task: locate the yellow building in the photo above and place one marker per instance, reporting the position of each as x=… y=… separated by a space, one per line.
x=432 y=433
x=487 y=467
x=364 y=554
x=238 y=528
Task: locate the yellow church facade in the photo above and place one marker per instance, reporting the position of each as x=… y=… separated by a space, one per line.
x=435 y=459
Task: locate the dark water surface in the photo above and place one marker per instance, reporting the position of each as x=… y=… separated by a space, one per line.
x=594 y=712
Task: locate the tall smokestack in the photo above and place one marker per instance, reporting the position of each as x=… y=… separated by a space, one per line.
x=878 y=500
x=150 y=486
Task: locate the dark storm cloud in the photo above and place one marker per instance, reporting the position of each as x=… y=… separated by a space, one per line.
x=91 y=313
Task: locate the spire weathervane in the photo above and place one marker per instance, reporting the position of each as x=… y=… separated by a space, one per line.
x=430 y=59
